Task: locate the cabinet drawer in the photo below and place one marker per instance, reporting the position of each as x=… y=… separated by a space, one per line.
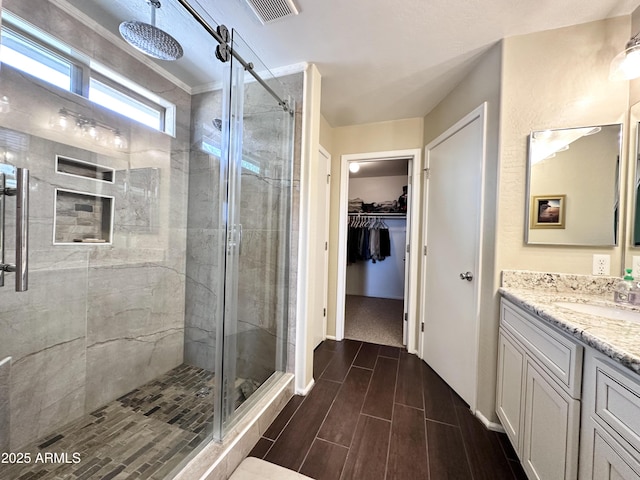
x=561 y=356
x=618 y=403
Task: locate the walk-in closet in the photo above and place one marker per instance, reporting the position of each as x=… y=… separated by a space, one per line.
x=376 y=244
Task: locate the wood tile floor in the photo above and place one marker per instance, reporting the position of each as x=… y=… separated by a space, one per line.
x=377 y=412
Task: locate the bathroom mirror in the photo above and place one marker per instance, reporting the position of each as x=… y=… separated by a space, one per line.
x=573 y=190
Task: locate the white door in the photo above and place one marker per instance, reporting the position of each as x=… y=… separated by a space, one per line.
x=323 y=184
x=451 y=273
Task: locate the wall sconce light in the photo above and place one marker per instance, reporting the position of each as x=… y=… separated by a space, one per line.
x=101 y=133
x=626 y=65
x=5 y=105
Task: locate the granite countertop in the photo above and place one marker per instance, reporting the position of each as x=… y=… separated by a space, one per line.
x=618 y=339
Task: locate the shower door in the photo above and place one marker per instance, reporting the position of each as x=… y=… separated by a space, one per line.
x=257 y=196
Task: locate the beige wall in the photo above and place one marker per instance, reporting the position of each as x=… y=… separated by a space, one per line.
x=570 y=88
x=373 y=137
x=634 y=90
x=481 y=85
x=326 y=134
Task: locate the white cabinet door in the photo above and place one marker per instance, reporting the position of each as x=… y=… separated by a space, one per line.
x=509 y=394
x=608 y=464
x=551 y=427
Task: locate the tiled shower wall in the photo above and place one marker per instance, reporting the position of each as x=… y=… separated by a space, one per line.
x=97 y=320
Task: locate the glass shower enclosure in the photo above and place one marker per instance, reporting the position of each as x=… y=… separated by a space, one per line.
x=157 y=306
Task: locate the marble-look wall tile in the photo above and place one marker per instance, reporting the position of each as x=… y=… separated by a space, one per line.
x=256 y=354
x=47 y=390
x=200 y=347
x=205 y=238
x=51 y=312
x=117 y=366
x=132 y=300
x=5 y=403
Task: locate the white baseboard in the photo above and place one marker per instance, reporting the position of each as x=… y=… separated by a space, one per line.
x=496 y=427
x=306 y=389
x=331 y=337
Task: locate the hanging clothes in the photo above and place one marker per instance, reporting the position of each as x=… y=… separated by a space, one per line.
x=385 y=242
x=367 y=239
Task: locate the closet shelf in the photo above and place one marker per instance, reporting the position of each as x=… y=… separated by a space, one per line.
x=378 y=215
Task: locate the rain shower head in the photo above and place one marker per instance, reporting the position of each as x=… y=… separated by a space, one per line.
x=149 y=39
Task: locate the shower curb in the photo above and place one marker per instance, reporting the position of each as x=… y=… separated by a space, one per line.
x=217 y=461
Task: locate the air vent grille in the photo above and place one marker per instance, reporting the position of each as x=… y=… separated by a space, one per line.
x=269 y=11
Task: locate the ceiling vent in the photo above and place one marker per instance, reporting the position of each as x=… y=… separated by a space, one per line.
x=269 y=11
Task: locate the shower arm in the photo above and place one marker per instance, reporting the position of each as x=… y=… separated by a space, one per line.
x=155 y=5
x=223 y=43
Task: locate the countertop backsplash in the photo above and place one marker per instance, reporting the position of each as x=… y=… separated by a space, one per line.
x=559 y=282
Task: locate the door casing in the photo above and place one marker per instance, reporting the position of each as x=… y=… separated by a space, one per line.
x=414 y=155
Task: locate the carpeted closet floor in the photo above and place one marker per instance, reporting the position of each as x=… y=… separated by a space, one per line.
x=374 y=320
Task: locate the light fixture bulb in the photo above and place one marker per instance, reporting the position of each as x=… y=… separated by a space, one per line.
x=354 y=167
x=626 y=65
x=118 y=140
x=5 y=104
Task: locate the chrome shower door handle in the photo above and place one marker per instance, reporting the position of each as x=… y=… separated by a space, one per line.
x=22 y=230
x=21 y=192
x=2 y=202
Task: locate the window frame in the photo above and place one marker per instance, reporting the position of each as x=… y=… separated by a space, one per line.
x=36 y=43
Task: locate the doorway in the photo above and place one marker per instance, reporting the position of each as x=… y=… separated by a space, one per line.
x=374 y=297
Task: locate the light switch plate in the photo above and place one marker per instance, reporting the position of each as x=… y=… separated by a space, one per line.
x=601 y=264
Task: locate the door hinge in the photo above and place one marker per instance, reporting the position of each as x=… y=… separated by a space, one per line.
x=422 y=327
x=409 y=179
x=324 y=312
x=427 y=173
x=328 y=178
x=326 y=245
x=408 y=247
x=406 y=317
x=424 y=250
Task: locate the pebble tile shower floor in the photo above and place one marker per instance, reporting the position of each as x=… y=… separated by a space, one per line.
x=142 y=435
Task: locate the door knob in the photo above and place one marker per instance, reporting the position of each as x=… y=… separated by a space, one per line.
x=466 y=276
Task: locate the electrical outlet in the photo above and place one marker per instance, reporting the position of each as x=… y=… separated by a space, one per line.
x=601 y=264
x=636 y=266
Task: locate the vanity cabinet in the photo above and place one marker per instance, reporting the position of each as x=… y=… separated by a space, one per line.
x=538 y=393
x=610 y=431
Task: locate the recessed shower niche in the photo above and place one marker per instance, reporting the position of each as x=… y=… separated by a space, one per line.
x=82 y=218
x=82 y=169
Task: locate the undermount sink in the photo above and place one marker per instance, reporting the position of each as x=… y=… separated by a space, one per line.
x=601 y=311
